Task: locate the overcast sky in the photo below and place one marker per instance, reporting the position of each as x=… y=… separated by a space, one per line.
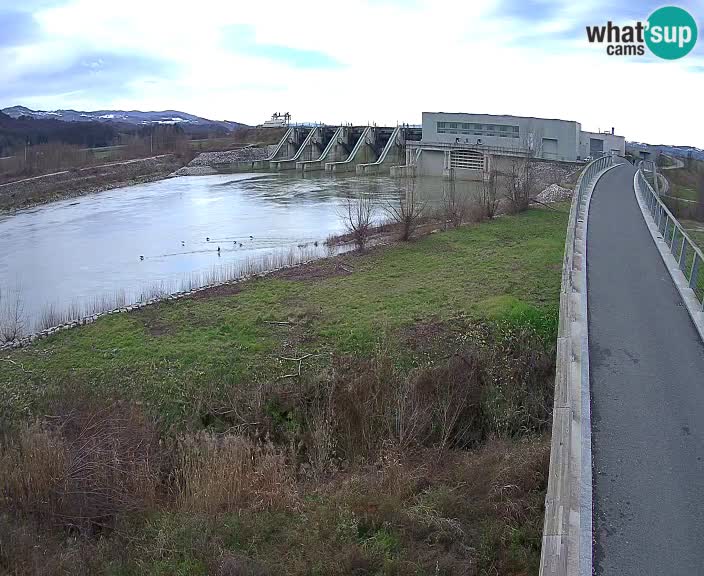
x=331 y=61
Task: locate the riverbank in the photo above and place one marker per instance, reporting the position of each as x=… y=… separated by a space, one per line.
x=385 y=412
x=48 y=188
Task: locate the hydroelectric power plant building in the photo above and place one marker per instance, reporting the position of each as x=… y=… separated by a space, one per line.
x=464 y=146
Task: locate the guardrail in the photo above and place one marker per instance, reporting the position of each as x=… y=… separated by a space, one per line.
x=567 y=531
x=688 y=255
x=490 y=149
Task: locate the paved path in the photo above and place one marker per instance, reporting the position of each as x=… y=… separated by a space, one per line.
x=647 y=378
x=676 y=163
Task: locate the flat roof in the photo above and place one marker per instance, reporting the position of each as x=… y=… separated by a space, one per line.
x=504 y=116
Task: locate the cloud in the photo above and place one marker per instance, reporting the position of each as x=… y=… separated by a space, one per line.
x=241 y=39
x=77 y=74
x=536 y=11
x=17 y=28
x=364 y=61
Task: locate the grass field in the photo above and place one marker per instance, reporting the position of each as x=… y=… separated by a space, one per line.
x=329 y=385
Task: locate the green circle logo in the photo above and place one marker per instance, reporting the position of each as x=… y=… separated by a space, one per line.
x=670 y=32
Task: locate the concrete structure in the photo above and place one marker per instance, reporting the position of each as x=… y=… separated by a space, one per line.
x=594 y=144
x=368 y=149
x=648 y=153
x=277 y=121
x=465 y=146
x=393 y=153
x=338 y=149
x=311 y=148
x=288 y=146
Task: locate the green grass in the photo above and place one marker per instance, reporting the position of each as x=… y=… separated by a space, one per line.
x=695 y=230
x=684 y=192
x=167 y=355
x=393 y=509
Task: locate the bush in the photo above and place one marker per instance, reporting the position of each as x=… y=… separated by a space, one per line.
x=83 y=468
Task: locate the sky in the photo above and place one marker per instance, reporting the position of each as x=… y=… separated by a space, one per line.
x=356 y=61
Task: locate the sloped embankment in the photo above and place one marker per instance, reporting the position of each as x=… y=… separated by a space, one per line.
x=69 y=183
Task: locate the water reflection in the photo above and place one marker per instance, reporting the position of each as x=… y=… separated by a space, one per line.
x=74 y=252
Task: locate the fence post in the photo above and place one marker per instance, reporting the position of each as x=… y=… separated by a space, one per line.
x=683 y=254
x=695 y=271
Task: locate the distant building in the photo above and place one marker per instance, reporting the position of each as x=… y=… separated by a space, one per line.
x=462 y=145
x=277 y=121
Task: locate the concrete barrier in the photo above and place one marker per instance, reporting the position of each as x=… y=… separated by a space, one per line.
x=567 y=531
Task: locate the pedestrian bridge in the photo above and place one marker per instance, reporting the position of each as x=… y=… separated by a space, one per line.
x=626 y=485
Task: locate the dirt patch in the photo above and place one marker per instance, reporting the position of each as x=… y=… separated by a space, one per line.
x=153 y=322
x=436 y=336
x=217 y=291
x=318 y=270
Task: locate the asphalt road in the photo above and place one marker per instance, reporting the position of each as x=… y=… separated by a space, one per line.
x=647 y=385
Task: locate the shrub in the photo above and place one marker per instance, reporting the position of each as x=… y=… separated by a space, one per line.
x=83 y=468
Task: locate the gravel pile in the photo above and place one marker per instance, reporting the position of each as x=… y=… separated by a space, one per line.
x=554 y=193
x=195 y=171
x=229 y=156
x=207 y=163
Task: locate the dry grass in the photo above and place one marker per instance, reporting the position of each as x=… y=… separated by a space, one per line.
x=82 y=468
x=217 y=474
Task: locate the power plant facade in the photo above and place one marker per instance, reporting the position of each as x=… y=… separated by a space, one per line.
x=464 y=146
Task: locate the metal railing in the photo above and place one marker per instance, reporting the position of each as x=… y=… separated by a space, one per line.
x=589 y=173
x=688 y=255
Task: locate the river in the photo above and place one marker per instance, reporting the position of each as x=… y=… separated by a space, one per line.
x=76 y=256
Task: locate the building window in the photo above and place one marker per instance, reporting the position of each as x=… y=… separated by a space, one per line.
x=489 y=130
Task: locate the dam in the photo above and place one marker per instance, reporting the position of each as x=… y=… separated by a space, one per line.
x=453 y=146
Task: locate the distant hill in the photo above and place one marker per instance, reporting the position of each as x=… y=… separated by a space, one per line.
x=677 y=151
x=16 y=132
x=134 y=117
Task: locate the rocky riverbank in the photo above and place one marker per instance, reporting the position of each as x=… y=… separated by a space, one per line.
x=70 y=183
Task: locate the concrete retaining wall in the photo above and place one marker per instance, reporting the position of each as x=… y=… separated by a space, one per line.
x=567 y=531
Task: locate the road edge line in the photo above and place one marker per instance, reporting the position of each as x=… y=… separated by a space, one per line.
x=587 y=486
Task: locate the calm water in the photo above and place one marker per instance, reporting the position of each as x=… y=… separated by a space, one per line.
x=74 y=252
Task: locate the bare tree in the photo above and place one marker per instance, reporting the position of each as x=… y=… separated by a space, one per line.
x=407 y=213
x=514 y=189
x=357 y=216
x=489 y=197
x=453 y=207
x=521 y=179
x=11 y=317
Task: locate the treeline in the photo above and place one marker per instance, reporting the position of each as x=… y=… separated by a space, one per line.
x=18 y=132
x=42 y=150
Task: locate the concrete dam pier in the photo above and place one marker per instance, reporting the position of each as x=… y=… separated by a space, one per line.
x=341 y=149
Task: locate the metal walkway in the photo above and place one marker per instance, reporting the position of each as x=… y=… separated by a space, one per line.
x=647 y=386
